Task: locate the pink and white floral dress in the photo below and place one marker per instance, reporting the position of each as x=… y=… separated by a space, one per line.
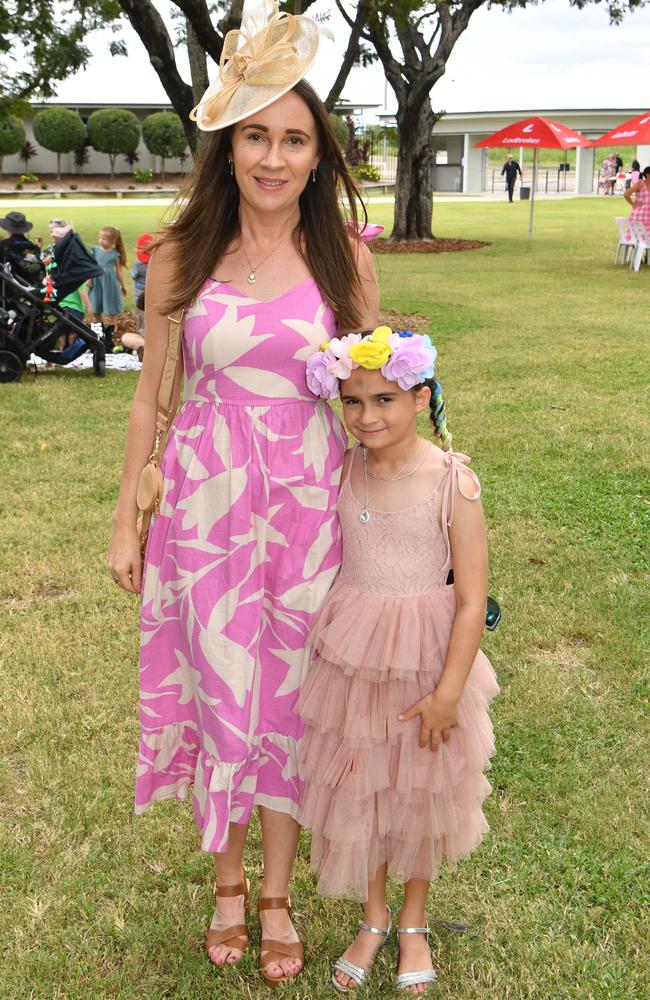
x=239 y=560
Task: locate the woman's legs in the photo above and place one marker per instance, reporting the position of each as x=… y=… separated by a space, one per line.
x=414 y=952
x=364 y=947
x=279 y=842
x=229 y=910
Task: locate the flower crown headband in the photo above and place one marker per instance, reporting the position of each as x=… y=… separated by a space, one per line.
x=403 y=357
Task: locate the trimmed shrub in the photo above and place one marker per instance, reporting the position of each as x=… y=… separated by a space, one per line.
x=12 y=137
x=164 y=136
x=143 y=175
x=59 y=130
x=366 y=172
x=114 y=131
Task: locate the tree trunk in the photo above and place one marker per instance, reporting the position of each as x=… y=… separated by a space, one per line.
x=413 y=191
x=162 y=168
x=58 y=166
x=111 y=157
x=198 y=63
x=149 y=25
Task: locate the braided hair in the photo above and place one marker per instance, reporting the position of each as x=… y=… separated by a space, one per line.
x=438 y=414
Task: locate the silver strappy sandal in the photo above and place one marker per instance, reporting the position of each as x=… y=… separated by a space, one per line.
x=355 y=972
x=407 y=979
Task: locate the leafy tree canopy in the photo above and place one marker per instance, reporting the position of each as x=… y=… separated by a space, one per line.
x=42 y=42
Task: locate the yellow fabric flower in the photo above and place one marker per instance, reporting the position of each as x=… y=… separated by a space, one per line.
x=373 y=351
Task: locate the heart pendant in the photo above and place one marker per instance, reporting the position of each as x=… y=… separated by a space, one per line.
x=364 y=516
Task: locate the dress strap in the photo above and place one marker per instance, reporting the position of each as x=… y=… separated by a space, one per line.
x=456 y=462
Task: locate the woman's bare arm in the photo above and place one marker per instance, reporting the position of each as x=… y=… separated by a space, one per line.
x=124 y=551
x=369 y=304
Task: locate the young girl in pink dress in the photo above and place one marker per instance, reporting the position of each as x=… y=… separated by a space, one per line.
x=395 y=703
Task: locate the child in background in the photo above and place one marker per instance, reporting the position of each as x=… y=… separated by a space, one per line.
x=139 y=274
x=134 y=342
x=395 y=702
x=106 y=292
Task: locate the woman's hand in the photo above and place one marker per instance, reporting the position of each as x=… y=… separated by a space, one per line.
x=123 y=287
x=124 y=560
x=437 y=718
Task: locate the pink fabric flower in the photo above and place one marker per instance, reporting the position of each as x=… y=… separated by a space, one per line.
x=320 y=379
x=343 y=364
x=411 y=362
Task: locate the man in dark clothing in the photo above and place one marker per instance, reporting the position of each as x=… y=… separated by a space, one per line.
x=510 y=168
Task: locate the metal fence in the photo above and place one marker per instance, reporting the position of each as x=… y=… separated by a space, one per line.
x=555 y=179
x=382 y=154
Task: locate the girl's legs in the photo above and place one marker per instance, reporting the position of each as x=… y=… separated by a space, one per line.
x=364 y=947
x=414 y=953
x=279 y=842
x=229 y=910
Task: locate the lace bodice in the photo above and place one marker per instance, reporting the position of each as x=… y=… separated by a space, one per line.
x=407 y=552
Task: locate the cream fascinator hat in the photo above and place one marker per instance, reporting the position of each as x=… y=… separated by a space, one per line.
x=259 y=63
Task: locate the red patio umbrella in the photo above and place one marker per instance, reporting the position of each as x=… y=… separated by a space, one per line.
x=634 y=132
x=538 y=133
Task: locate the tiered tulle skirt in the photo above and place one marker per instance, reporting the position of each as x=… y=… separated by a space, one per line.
x=372 y=796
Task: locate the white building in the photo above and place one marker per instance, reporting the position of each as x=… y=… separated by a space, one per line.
x=465 y=168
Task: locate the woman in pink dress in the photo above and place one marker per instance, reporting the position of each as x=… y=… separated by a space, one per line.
x=638 y=195
x=246 y=544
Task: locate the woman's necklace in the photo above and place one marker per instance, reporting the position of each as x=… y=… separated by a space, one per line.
x=364 y=515
x=253 y=267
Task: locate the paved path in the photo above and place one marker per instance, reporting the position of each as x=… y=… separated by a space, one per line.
x=63 y=204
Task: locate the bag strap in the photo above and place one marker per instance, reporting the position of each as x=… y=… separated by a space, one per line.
x=164 y=415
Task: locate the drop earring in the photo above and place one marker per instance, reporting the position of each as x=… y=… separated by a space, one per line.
x=232 y=168
x=313 y=175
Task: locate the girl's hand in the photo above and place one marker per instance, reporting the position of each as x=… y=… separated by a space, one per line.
x=123 y=289
x=124 y=561
x=437 y=719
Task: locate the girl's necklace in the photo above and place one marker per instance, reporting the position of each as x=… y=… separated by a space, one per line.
x=253 y=267
x=364 y=515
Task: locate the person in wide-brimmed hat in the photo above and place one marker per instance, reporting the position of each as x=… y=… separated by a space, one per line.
x=15 y=222
x=247 y=543
x=15 y=249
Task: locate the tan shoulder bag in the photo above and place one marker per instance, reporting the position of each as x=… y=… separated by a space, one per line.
x=150 y=483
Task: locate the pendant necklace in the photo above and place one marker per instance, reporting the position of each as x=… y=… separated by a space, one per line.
x=253 y=267
x=364 y=515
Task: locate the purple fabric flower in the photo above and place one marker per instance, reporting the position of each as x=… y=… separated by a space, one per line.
x=411 y=362
x=320 y=379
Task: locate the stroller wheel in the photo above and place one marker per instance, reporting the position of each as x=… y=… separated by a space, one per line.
x=11 y=367
x=99 y=364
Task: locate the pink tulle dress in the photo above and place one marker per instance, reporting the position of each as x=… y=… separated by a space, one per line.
x=371 y=794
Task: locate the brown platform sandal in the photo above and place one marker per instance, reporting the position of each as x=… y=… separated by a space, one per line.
x=272 y=951
x=236 y=936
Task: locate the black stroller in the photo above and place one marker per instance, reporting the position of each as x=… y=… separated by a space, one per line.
x=29 y=325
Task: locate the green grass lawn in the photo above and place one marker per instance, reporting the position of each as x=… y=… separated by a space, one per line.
x=544 y=362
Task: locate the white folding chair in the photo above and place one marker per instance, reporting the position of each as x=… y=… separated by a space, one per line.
x=642 y=244
x=626 y=238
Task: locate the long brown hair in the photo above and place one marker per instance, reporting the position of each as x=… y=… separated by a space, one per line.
x=208 y=220
x=116 y=237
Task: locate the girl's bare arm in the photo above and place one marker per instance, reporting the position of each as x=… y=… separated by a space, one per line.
x=467 y=535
